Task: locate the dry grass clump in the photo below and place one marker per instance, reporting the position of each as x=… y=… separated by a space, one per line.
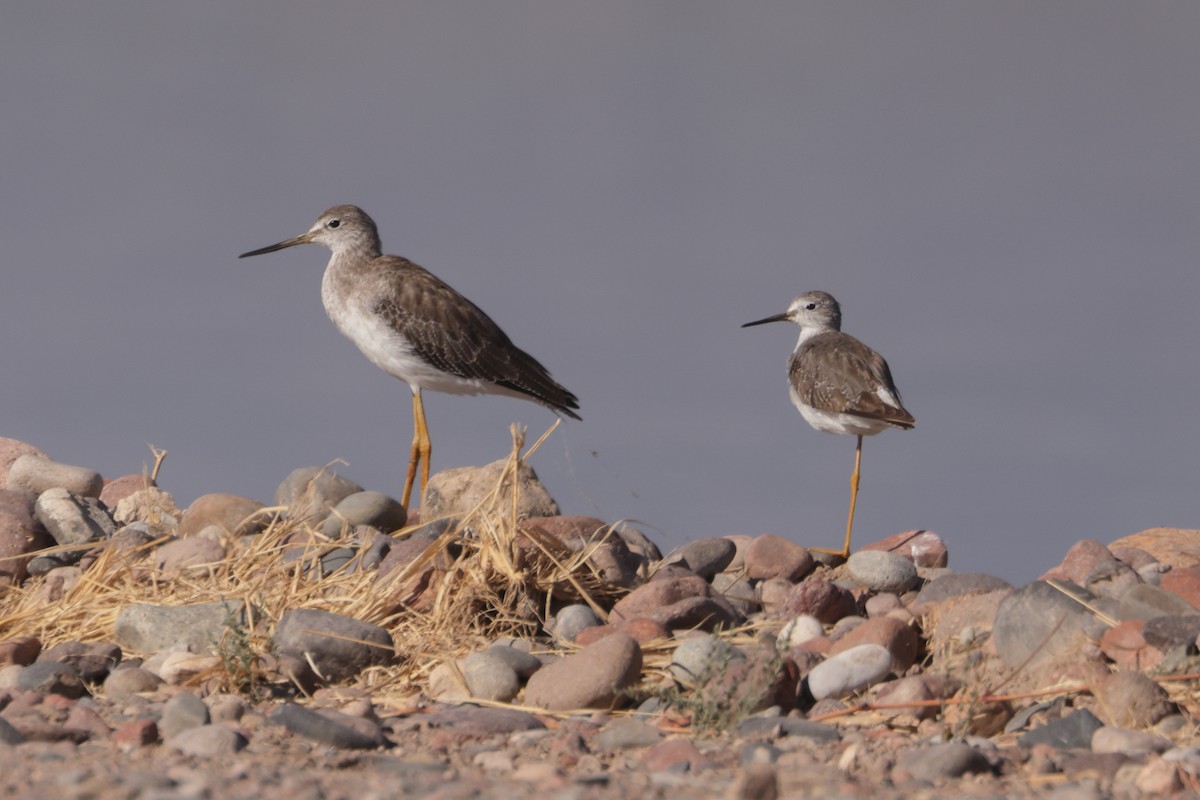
x=485 y=577
x=493 y=577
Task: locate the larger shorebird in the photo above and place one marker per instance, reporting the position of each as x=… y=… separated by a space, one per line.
x=414 y=327
x=838 y=383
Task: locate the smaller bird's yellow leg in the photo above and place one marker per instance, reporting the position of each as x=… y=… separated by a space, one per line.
x=845 y=551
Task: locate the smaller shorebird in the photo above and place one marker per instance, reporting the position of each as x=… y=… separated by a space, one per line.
x=414 y=327
x=838 y=383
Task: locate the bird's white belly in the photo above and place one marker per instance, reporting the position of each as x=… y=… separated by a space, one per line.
x=392 y=353
x=834 y=422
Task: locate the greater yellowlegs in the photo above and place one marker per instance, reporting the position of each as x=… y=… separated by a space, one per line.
x=414 y=327
x=838 y=383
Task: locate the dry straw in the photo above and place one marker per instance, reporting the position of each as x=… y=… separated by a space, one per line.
x=493 y=576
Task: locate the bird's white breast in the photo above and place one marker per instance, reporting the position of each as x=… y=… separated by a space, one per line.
x=354 y=316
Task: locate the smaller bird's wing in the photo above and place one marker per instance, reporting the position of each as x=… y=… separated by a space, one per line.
x=837 y=373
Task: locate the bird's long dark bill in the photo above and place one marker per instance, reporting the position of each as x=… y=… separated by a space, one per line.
x=303 y=238
x=774 y=318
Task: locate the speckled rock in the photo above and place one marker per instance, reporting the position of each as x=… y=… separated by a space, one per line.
x=73 y=519
x=457 y=491
x=144 y=628
x=816 y=597
x=151 y=506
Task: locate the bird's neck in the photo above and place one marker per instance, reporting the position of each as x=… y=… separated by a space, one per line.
x=807 y=333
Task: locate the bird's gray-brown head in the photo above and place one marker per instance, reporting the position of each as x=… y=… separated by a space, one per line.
x=814 y=312
x=342 y=229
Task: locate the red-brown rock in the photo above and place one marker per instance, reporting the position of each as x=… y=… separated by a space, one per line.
x=771 y=556
x=136 y=734
x=10 y=451
x=20 y=536
x=640 y=630
x=1082 y=557
x=22 y=650
x=673 y=754
x=118 y=489
x=900 y=640
x=591 y=678
x=1183 y=582
x=650 y=597
x=816 y=596
x=1127 y=648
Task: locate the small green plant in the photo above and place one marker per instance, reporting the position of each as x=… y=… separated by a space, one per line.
x=726 y=691
x=239 y=656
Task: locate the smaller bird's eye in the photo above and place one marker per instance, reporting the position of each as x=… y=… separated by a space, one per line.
x=811 y=306
x=334 y=223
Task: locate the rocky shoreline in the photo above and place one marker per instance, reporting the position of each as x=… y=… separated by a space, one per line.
x=335 y=644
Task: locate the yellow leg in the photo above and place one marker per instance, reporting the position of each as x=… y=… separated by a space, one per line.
x=426 y=446
x=421 y=449
x=845 y=551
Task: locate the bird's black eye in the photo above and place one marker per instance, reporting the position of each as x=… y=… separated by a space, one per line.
x=334 y=223
x=811 y=306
